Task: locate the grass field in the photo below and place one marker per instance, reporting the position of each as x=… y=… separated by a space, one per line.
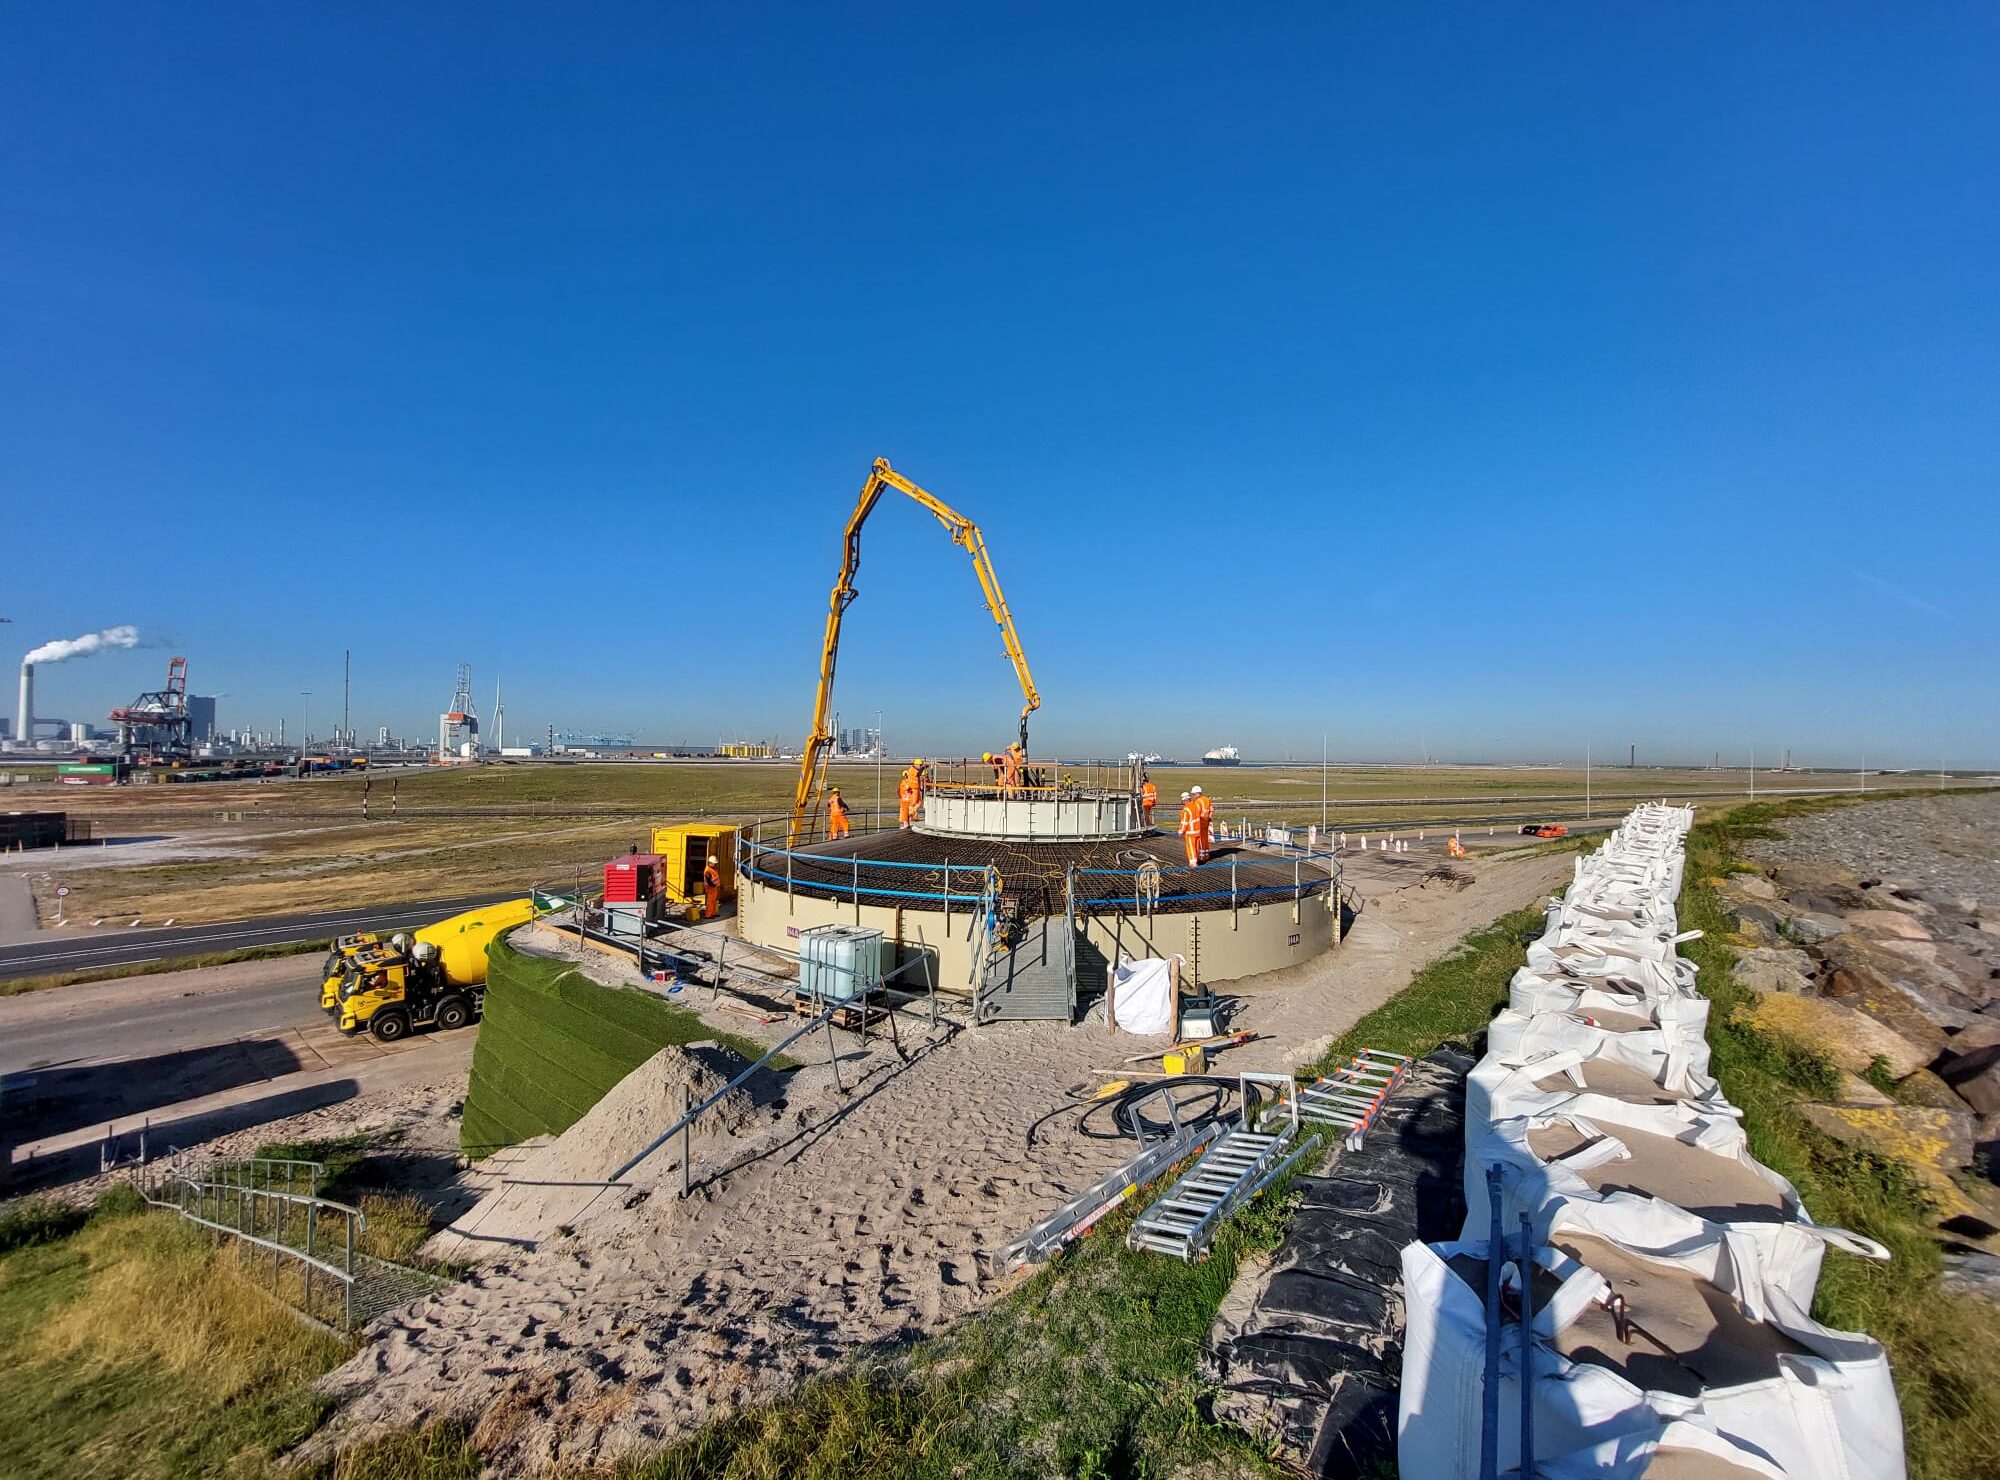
x=242 y=850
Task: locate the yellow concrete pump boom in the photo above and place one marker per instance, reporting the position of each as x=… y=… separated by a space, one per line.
x=965 y=534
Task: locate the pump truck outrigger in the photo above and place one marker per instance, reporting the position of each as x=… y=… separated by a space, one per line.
x=965 y=534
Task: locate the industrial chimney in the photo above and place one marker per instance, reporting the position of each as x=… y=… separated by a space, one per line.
x=26 y=729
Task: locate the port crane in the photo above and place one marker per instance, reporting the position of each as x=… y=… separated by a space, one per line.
x=965 y=534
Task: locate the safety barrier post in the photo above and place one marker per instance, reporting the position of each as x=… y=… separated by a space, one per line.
x=348 y=1323
x=1489 y=1392
x=1527 y=1268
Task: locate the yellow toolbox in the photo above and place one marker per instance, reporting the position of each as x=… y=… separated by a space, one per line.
x=1189 y=1058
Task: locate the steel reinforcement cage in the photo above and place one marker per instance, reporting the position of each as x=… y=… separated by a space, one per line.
x=1037 y=878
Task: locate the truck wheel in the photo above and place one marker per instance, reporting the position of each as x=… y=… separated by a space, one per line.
x=454 y=1012
x=390 y=1025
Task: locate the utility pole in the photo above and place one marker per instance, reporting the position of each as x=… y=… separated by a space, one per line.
x=1586 y=782
x=305 y=721
x=1753 y=773
x=346 y=687
x=1322 y=782
x=878 y=768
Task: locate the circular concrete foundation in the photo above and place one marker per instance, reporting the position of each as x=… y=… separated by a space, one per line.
x=958 y=904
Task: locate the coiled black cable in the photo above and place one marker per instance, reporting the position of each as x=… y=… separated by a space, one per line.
x=1125 y=1123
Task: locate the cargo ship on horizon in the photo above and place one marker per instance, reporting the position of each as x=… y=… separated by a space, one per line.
x=1222 y=755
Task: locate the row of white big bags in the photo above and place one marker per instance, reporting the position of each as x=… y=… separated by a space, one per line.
x=1669 y=1331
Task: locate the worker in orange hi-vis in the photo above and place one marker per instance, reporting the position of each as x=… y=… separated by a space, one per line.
x=907 y=796
x=1149 y=798
x=836 y=815
x=1191 y=829
x=999 y=766
x=711 y=888
x=1204 y=809
x=1017 y=764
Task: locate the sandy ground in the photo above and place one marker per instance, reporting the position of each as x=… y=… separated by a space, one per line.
x=832 y=1221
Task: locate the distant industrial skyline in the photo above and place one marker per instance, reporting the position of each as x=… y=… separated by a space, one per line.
x=86 y=692
x=1491 y=381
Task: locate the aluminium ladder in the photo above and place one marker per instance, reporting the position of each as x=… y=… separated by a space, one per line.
x=1231 y=1172
x=1081 y=1213
x=1350 y=1098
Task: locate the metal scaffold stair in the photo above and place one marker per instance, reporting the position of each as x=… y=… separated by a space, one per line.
x=1231 y=1172
x=1349 y=1099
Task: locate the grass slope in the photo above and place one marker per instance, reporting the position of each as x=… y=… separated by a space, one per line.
x=134 y=1349
x=553 y=1042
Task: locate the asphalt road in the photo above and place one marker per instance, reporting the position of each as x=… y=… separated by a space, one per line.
x=137 y=1016
x=192 y=1054
x=54 y=950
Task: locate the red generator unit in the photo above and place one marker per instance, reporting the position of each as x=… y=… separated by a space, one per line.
x=633 y=879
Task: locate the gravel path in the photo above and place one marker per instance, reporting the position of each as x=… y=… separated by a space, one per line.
x=1950 y=844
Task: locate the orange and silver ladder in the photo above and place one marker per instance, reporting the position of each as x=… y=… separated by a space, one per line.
x=1350 y=1098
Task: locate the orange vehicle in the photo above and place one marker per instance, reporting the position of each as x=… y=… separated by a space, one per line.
x=1544 y=830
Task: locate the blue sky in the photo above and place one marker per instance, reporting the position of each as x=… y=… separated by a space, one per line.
x=1487 y=380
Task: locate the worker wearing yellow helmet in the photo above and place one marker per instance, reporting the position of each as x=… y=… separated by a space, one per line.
x=909 y=794
x=836 y=815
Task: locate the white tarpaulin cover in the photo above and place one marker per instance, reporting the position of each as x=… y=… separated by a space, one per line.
x=1144 y=994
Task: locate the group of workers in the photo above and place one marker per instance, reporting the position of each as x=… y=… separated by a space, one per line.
x=1010 y=766
x=1197 y=824
x=1197 y=820
x=909 y=797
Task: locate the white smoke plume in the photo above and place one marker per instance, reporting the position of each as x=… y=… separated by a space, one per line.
x=84 y=646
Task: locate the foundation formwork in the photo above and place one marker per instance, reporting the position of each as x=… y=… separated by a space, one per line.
x=1026 y=923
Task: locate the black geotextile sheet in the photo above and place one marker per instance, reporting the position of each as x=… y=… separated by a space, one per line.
x=1307 y=1349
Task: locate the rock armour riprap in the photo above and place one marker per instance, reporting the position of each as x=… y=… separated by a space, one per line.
x=1910 y=979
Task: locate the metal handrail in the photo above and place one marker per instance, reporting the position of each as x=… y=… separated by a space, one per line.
x=246 y=1193
x=360 y=1218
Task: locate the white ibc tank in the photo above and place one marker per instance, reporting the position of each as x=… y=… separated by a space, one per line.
x=838 y=961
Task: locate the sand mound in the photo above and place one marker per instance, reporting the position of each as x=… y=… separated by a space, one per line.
x=543 y=1188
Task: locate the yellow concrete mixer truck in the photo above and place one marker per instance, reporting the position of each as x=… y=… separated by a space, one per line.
x=435 y=977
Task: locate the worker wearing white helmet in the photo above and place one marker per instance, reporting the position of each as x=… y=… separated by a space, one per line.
x=711 y=887
x=1191 y=829
x=1205 y=811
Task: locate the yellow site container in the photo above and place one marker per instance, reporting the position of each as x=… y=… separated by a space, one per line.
x=1189 y=1058
x=684 y=850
